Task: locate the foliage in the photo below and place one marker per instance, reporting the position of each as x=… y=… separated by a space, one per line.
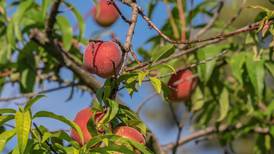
x=235 y=77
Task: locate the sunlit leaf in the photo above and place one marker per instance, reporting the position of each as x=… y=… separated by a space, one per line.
x=22 y=125
x=197 y=100
x=32 y=101
x=156 y=83
x=224 y=104
x=5 y=137
x=162 y=52
x=236 y=64
x=256 y=74
x=80 y=20
x=66 y=30
x=47 y=114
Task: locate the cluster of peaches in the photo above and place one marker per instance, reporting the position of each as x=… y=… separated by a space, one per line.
x=82 y=118
x=105 y=59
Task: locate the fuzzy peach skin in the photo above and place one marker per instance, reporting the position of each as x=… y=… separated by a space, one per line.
x=104 y=14
x=181 y=84
x=130 y=133
x=103 y=58
x=81 y=120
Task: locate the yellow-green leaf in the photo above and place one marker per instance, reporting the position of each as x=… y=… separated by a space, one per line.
x=22 y=125
x=224 y=104
x=156 y=83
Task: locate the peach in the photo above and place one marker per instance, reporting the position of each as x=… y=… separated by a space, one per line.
x=104 y=14
x=181 y=85
x=130 y=133
x=103 y=58
x=81 y=120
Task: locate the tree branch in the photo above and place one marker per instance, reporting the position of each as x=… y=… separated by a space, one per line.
x=210 y=131
x=27 y=95
x=210 y=41
x=52 y=18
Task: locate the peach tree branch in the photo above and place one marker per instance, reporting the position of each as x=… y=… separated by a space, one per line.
x=209 y=41
x=28 y=95
x=52 y=17
x=212 y=130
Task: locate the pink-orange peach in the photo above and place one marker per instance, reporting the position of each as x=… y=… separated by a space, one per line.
x=130 y=133
x=181 y=85
x=81 y=120
x=104 y=13
x=103 y=58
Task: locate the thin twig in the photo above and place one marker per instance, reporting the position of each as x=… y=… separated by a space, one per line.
x=210 y=41
x=234 y=17
x=120 y=12
x=190 y=21
x=179 y=126
x=127 y=45
x=171 y=20
x=182 y=19
x=28 y=95
x=212 y=21
x=221 y=54
x=247 y=28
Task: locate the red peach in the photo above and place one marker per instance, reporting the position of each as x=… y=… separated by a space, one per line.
x=104 y=14
x=103 y=58
x=130 y=133
x=181 y=84
x=81 y=120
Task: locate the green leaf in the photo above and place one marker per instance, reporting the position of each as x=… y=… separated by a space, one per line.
x=5 y=137
x=7 y=110
x=112 y=149
x=113 y=108
x=32 y=101
x=18 y=16
x=236 y=63
x=60 y=135
x=267 y=142
x=45 y=6
x=118 y=140
x=47 y=114
x=23 y=126
x=80 y=20
x=10 y=34
x=5 y=51
x=205 y=70
x=66 y=30
x=162 y=52
x=156 y=83
x=141 y=77
x=256 y=74
x=270 y=67
x=271 y=131
x=71 y=150
x=5 y=118
x=197 y=100
x=130 y=118
x=224 y=104
x=91 y=125
x=28 y=80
